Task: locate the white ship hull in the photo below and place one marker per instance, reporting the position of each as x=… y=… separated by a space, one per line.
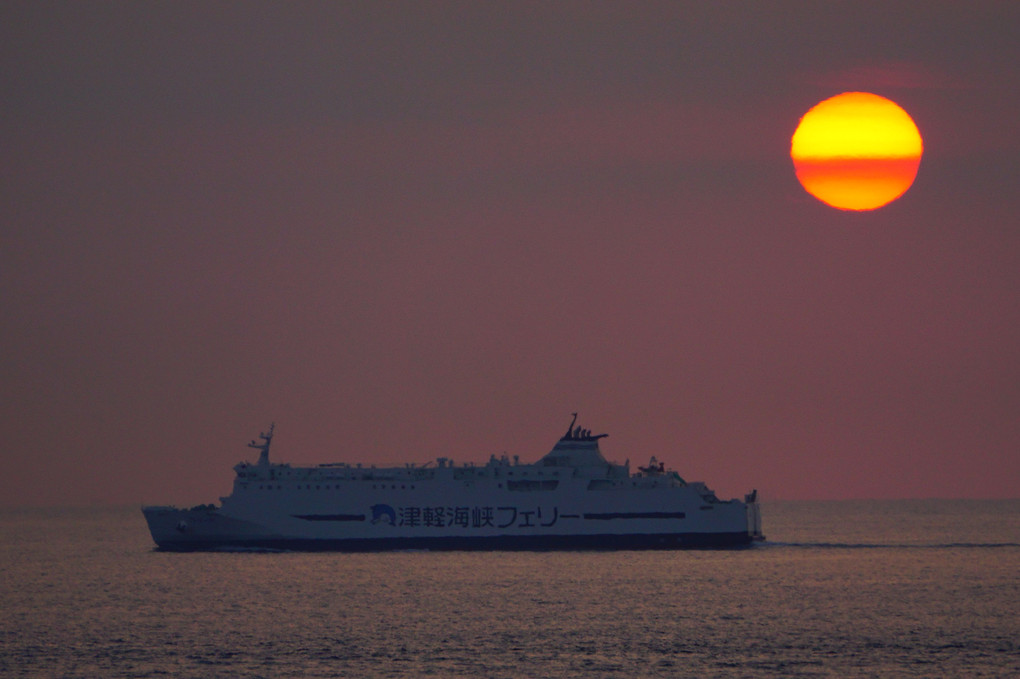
x=571 y=499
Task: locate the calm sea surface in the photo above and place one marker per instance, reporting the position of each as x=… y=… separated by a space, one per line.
x=875 y=589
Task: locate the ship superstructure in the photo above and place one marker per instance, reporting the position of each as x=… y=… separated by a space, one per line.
x=572 y=498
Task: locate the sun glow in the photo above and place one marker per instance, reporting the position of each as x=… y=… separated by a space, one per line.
x=856 y=151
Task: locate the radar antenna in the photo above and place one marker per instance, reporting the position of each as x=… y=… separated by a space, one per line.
x=579 y=434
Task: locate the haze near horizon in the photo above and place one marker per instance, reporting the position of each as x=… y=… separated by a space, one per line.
x=404 y=231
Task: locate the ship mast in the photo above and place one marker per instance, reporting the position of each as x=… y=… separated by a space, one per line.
x=580 y=434
x=263 y=448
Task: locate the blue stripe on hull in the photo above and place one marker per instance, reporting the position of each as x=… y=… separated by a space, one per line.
x=477 y=543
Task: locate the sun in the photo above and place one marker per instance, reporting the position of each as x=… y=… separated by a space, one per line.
x=856 y=151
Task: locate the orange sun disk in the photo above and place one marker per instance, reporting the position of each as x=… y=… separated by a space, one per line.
x=856 y=151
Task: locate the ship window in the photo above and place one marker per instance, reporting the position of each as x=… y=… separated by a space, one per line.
x=532 y=485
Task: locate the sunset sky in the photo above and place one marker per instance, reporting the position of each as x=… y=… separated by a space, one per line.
x=406 y=230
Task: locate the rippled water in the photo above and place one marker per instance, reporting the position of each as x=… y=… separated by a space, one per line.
x=883 y=589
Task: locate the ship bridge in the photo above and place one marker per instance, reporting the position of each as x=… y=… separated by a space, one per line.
x=578 y=448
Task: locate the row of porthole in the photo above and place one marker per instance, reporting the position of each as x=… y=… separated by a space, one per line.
x=279 y=487
x=376 y=487
x=509 y=473
x=308 y=487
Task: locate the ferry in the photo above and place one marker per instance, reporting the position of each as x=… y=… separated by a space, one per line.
x=572 y=498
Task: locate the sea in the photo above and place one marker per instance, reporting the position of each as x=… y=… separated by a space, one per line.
x=911 y=588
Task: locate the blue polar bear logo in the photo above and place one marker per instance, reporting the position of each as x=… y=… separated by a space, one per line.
x=384 y=514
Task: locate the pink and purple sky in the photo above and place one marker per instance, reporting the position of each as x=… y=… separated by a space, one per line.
x=405 y=230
